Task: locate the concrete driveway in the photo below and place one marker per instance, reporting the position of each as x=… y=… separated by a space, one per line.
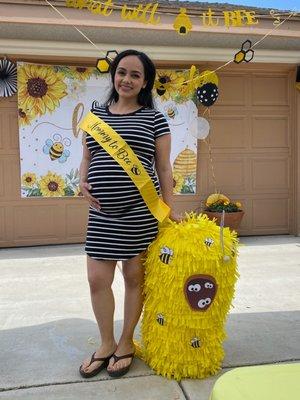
x=47 y=325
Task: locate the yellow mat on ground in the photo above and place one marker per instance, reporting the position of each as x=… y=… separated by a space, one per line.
x=264 y=382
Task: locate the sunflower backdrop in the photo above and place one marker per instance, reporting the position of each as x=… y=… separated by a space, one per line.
x=51 y=102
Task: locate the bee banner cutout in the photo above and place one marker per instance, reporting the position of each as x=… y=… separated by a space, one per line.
x=190 y=274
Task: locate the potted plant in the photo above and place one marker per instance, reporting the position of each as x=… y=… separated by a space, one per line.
x=216 y=203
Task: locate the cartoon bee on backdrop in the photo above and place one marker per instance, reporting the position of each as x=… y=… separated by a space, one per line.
x=56 y=148
x=191 y=270
x=171 y=113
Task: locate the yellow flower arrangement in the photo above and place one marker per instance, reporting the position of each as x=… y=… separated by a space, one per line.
x=40 y=89
x=52 y=185
x=29 y=179
x=167 y=83
x=81 y=73
x=218 y=202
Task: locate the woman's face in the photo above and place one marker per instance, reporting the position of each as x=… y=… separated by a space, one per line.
x=129 y=77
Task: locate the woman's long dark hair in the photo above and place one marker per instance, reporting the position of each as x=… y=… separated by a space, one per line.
x=145 y=96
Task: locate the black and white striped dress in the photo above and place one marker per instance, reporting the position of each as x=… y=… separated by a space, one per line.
x=124 y=227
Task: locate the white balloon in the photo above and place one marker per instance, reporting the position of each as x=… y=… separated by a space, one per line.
x=200 y=128
x=203 y=128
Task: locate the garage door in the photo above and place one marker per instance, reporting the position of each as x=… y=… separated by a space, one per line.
x=251 y=136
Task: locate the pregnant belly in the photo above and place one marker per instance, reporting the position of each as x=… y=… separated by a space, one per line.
x=113 y=187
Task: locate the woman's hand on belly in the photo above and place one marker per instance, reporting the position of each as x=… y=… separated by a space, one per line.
x=85 y=188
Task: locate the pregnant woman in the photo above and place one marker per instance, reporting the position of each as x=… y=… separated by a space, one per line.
x=120 y=226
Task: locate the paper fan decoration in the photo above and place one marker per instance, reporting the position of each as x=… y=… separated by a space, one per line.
x=8 y=78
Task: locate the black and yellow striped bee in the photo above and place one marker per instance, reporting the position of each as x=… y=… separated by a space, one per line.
x=166 y=255
x=160 y=319
x=135 y=170
x=56 y=148
x=195 y=342
x=208 y=241
x=171 y=112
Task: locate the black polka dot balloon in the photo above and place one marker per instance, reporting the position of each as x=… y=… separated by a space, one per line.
x=207 y=94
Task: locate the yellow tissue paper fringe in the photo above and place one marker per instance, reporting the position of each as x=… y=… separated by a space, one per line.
x=166 y=346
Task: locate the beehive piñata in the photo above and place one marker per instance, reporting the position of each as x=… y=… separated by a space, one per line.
x=189 y=285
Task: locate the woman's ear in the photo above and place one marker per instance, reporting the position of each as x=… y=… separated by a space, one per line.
x=144 y=85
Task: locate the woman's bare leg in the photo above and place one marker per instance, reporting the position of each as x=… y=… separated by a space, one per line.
x=133 y=272
x=100 y=276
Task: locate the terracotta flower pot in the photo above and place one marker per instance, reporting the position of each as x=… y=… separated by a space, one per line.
x=232 y=219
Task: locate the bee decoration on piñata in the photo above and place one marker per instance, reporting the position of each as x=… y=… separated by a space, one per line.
x=194 y=297
x=160 y=319
x=56 y=148
x=166 y=255
x=209 y=242
x=196 y=343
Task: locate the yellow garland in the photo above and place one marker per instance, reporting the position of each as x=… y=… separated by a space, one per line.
x=169 y=325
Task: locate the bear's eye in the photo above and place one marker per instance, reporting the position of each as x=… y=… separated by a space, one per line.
x=208 y=285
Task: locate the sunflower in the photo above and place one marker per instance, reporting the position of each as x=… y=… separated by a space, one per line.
x=25 y=117
x=28 y=179
x=178 y=180
x=188 y=87
x=81 y=73
x=40 y=89
x=207 y=77
x=52 y=185
x=167 y=83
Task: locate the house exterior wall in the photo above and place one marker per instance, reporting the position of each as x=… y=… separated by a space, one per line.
x=253 y=145
x=254 y=141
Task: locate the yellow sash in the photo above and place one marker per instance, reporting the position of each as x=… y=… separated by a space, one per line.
x=121 y=152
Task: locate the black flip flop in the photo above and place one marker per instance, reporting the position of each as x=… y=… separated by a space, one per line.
x=97 y=370
x=122 y=371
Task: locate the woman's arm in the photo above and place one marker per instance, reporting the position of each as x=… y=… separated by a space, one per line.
x=85 y=187
x=164 y=172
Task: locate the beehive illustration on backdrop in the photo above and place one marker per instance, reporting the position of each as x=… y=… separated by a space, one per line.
x=184 y=170
x=191 y=271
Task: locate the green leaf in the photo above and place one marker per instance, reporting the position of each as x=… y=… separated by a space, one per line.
x=68 y=191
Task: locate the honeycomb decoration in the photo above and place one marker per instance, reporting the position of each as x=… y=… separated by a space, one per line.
x=245 y=54
x=187 y=299
x=103 y=64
